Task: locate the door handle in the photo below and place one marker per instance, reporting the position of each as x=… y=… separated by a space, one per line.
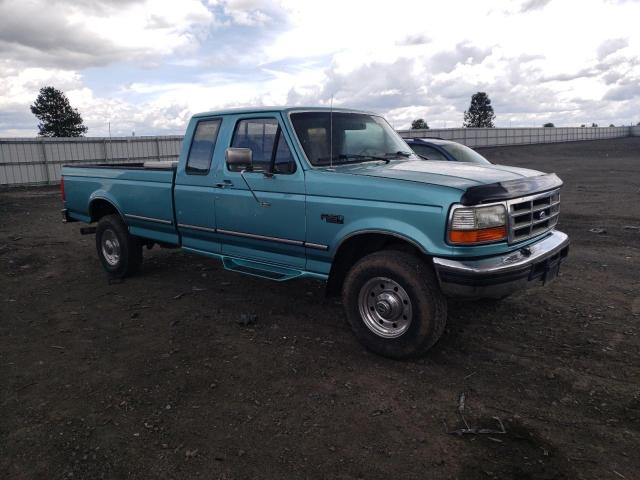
x=224 y=184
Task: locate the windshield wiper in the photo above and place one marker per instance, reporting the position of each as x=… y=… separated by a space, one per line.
x=354 y=156
x=398 y=154
x=349 y=156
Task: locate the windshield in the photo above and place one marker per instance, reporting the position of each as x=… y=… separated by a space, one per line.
x=462 y=153
x=356 y=137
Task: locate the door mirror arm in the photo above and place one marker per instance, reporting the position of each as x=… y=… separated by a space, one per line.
x=262 y=204
x=242 y=159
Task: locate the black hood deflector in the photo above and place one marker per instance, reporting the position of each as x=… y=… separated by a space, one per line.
x=495 y=192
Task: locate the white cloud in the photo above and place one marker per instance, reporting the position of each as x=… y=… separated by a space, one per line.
x=149 y=64
x=611 y=46
x=530 y=5
x=85 y=34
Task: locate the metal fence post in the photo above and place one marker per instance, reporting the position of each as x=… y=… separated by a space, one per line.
x=44 y=159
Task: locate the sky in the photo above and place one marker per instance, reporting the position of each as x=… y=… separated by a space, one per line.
x=146 y=66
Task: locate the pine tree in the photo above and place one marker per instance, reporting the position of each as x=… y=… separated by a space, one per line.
x=57 y=117
x=419 y=124
x=480 y=113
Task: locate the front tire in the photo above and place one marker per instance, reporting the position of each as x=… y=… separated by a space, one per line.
x=119 y=252
x=394 y=305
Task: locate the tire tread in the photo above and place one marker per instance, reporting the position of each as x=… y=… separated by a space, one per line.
x=131 y=247
x=423 y=274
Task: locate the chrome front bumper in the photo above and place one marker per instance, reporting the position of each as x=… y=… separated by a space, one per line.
x=497 y=276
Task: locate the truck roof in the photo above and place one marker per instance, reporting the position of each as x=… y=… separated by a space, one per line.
x=234 y=111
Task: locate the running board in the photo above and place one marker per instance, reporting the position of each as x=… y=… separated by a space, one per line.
x=262 y=270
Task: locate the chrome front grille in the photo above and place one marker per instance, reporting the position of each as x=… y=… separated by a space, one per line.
x=532 y=215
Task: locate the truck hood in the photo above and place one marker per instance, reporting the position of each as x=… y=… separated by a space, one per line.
x=450 y=174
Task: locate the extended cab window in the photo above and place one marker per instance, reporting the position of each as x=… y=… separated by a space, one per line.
x=264 y=138
x=202 y=146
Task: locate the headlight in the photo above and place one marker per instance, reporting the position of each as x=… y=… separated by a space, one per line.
x=473 y=225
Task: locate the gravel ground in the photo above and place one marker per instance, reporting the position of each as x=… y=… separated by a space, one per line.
x=188 y=371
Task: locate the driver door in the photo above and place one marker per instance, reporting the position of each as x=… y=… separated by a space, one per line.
x=271 y=229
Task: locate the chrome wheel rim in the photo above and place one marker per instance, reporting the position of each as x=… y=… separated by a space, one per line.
x=385 y=307
x=110 y=247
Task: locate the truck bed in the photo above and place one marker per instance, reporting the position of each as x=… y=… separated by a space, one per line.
x=141 y=192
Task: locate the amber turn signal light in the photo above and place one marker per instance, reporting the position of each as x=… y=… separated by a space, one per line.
x=478 y=236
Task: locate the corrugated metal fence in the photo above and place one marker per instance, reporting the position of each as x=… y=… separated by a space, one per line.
x=32 y=161
x=494 y=137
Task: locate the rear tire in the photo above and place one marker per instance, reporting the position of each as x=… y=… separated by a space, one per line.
x=394 y=305
x=119 y=252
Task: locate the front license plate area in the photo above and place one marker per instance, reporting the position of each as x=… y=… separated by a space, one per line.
x=547 y=270
x=551 y=272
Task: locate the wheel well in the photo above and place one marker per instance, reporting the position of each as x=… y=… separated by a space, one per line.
x=99 y=208
x=357 y=247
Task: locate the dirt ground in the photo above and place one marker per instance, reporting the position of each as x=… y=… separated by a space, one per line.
x=188 y=371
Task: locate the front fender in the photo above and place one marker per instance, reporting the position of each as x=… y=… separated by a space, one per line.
x=403 y=230
x=421 y=225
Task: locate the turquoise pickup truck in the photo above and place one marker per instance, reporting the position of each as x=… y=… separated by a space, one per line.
x=334 y=195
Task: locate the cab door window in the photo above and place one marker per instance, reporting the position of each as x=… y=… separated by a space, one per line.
x=270 y=151
x=258 y=135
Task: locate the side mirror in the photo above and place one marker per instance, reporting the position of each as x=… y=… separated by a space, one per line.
x=239 y=158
